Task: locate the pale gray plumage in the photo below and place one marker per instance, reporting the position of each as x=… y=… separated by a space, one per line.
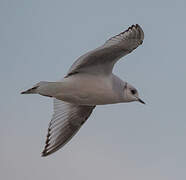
x=104 y=57
x=89 y=82
x=66 y=121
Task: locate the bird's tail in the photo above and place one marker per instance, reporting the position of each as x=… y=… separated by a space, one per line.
x=30 y=91
x=45 y=88
x=36 y=88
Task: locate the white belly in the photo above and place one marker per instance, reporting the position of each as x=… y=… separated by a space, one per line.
x=87 y=90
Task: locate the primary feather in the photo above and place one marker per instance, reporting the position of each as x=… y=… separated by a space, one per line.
x=102 y=59
x=66 y=121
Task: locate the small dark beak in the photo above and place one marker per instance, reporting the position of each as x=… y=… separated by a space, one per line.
x=141 y=101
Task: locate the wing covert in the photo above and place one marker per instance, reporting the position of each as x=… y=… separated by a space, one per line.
x=102 y=59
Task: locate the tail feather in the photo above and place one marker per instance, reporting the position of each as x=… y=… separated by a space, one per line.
x=30 y=91
x=44 y=88
x=34 y=89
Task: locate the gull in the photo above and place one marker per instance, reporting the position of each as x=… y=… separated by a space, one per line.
x=89 y=82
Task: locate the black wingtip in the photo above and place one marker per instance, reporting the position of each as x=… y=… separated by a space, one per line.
x=23 y=92
x=44 y=153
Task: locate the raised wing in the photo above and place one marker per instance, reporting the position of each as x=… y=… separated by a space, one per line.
x=66 y=121
x=102 y=59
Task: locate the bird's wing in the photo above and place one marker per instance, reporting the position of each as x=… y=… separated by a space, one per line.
x=102 y=59
x=66 y=121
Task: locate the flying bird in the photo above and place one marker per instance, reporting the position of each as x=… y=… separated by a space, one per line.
x=89 y=82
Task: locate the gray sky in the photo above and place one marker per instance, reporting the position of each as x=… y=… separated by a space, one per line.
x=40 y=39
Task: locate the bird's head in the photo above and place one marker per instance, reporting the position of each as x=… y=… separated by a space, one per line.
x=131 y=94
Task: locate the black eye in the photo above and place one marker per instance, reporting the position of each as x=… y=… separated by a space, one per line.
x=133 y=91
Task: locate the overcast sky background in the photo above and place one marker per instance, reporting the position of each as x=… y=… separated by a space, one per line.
x=40 y=39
